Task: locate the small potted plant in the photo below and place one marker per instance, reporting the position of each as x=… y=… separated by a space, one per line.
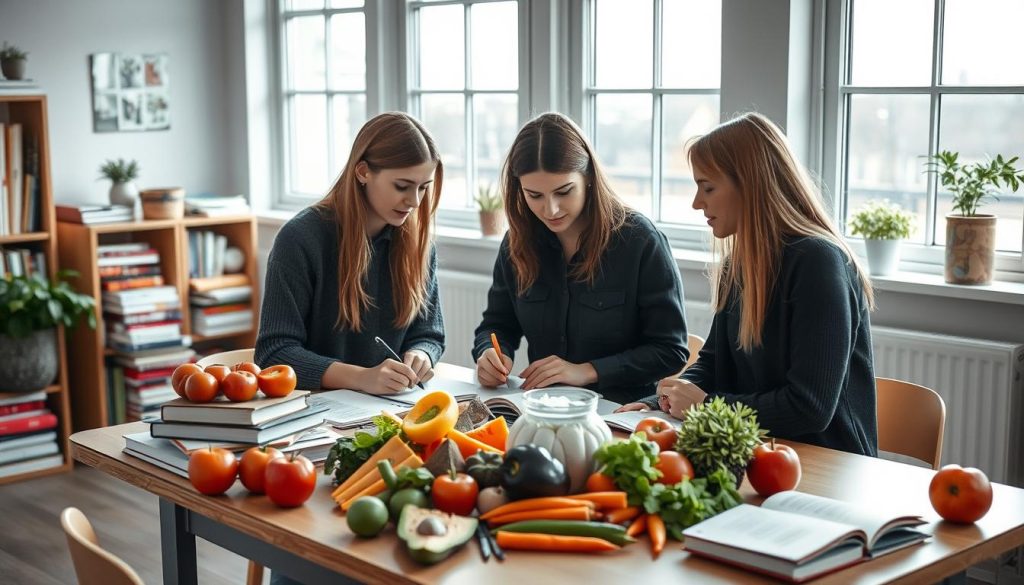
x=718 y=434
x=31 y=307
x=492 y=210
x=883 y=226
x=12 y=61
x=122 y=175
x=971 y=236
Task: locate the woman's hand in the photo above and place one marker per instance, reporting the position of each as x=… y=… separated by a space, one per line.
x=676 y=396
x=492 y=370
x=555 y=370
x=419 y=362
x=390 y=377
x=639 y=406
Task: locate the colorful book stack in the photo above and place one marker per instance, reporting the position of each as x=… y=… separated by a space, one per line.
x=21 y=262
x=221 y=305
x=20 y=211
x=28 y=436
x=94 y=214
x=208 y=205
x=138 y=383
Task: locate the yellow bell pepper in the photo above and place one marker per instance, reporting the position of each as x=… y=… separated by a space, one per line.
x=431 y=418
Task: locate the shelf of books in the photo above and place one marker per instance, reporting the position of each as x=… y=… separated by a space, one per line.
x=35 y=423
x=168 y=291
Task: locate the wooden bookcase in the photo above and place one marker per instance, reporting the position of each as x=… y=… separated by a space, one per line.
x=30 y=112
x=78 y=251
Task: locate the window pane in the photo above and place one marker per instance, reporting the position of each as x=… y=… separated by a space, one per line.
x=348 y=55
x=691 y=43
x=445 y=118
x=980 y=126
x=683 y=117
x=624 y=45
x=888 y=135
x=624 y=145
x=442 y=50
x=495 y=55
x=306 y=52
x=349 y=117
x=496 y=122
x=309 y=145
x=982 y=43
x=346 y=3
x=877 y=25
x=305 y=4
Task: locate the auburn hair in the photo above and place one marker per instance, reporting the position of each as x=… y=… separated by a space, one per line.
x=553 y=143
x=392 y=140
x=778 y=200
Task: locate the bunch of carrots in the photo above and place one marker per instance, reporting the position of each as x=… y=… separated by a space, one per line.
x=655 y=528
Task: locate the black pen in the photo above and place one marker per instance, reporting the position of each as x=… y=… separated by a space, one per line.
x=394 y=355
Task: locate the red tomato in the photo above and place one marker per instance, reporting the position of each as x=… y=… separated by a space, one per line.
x=246 y=366
x=290 y=480
x=201 y=387
x=252 y=469
x=674 y=467
x=277 y=381
x=455 y=495
x=659 y=431
x=181 y=373
x=219 y=371
x=212 y=471
x=959 y=494
x=239 y=386
x=774 y=468
x=599 y=482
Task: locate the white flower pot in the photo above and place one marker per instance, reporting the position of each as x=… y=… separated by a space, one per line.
x=124 y=194
x=883 y=256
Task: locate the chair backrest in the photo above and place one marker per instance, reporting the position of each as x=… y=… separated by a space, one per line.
x=228 y=358
x=694 y=343
x=93 y=565
x=911 y=420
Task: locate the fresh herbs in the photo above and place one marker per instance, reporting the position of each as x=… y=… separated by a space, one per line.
x=349 y=453
x=630 y=464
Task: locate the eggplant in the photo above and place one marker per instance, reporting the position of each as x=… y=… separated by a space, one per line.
x=530 y=471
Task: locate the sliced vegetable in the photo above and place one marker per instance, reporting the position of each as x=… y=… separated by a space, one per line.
x=370 y=477
x=494 y=433
x=394 y=449
x=611 y=532
x=548 y=542
x=431 y=418
x=468 y=445
x=580 y=513
x=371 y=490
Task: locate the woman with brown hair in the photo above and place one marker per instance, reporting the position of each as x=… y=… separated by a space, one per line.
x=591 y=284
x=360 y=264
x=791 y=335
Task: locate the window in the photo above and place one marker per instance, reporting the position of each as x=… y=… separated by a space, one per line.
x=956 y=84
x=652 y=80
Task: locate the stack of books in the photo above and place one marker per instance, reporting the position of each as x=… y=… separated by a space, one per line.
x=146 y=390
x=21 y=262
x=94 y=214
x=141 y=313
x=207 y=205
x=28 y=436
x=221 y=305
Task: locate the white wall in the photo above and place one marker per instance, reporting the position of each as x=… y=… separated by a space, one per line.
x=205 y=148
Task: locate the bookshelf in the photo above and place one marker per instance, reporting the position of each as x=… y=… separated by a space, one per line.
x=30 y=111
x=78 y=246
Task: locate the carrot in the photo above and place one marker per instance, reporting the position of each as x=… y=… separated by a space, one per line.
x=374 y=489
x=395 y=449
x=535 y=504
x=580 y=513
x=622 y=514
x=638 y=526
x=411 y=461
x=549 y=542
x=656 y=528
x=604 y=500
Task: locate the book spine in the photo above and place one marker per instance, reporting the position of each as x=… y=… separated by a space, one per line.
x=131 y=283
x=28 y=424
x=23 y=407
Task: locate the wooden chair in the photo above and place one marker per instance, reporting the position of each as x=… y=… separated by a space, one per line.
x=694 y=343
x=93 y=564
x=911 y=420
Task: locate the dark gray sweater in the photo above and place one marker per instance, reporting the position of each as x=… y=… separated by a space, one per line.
x=300 y=304
x=812 y=379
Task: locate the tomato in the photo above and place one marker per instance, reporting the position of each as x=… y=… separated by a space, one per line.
x=181 y=373
x=246 y=366
x=239 y=386
x=212 y=471
x=674 y=467
x=253 y=467
x=290 y=480
x=773 y=468
x=599 y=482
x=959 y=494
x=277 y=381
x=201 y=387
x=454 y=493
x=660 y=431
x=218 y=371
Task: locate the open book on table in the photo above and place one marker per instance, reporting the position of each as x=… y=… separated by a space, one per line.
x=627 y=421
x=797 y=536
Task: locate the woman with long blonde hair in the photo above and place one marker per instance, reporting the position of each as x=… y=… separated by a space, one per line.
x=360 y=264
x=791 y=335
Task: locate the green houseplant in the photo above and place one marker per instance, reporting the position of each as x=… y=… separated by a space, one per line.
x=716 y=434
x=882 y=225
x=31 y=308
x=122 y=175
x=12 y=61
x=970 y=236
x=492 y=210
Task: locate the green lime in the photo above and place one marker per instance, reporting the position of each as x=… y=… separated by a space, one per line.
x=403 y=498
x=367 y=516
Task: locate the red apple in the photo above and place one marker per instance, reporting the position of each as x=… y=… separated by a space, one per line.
x=773 y=468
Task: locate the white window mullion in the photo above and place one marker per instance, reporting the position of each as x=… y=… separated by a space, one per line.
x=329 y=99
x=656 y=120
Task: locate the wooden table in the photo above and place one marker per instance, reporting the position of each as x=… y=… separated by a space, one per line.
x=313 y=544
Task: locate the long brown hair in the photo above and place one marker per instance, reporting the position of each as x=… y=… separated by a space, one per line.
x=392 y=140
x=778 y=200
x=553 y=143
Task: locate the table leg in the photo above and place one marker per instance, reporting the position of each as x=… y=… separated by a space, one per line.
x=178 y=545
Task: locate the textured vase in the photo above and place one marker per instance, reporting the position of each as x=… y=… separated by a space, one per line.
x=492 y=223
x=124 y=194
x=13 y=69
x=970 y=249
x=28 y=363
x=883 y=256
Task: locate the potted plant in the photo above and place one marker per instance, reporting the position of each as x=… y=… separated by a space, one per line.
x=717 y=433
x=970 y=236
x=31 y=307
x=492 y=210
x=122 y=175
x=12 y=61
x=882 y=225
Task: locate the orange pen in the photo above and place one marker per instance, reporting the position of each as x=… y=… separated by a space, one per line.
x=497 y=348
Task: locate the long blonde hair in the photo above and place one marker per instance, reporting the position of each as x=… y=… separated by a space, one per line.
x=392 y=140
x=778 y=200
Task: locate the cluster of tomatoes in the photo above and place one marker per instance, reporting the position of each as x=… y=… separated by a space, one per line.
x=238 y=383
x=287 y=480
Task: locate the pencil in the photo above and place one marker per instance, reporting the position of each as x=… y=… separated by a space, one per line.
x=497 y=347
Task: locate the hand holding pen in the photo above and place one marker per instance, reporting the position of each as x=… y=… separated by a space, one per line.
x=493 y=367
x=405 y=371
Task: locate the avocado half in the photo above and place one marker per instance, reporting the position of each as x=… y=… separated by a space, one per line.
x=431 y=536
